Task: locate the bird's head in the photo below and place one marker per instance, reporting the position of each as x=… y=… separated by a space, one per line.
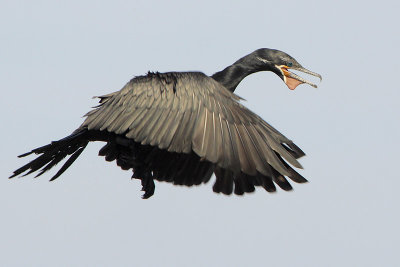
x=279 y=62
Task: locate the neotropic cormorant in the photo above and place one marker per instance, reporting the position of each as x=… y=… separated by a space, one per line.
x=181 y=127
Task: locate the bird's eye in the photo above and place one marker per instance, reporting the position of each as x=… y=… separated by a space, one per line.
x=290 y=64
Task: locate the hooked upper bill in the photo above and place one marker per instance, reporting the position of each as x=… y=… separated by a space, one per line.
x=292 y=80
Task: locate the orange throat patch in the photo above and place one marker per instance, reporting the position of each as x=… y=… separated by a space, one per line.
x=292 y=83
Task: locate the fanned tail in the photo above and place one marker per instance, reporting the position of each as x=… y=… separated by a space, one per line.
x=55 y=152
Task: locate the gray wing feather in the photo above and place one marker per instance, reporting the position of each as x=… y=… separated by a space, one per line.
x=195 y=113
x=157 y=137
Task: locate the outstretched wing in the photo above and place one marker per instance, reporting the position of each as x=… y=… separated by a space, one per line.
x=185 y=112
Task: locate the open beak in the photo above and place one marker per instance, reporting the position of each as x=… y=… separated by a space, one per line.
x=292 y=80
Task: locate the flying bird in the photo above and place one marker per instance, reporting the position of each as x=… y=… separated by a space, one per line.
x=182 y=127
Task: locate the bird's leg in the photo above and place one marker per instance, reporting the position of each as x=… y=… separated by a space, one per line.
x=148 y=186
x=146 y=178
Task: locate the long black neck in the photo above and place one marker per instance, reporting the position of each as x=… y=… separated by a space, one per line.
x=231 y=76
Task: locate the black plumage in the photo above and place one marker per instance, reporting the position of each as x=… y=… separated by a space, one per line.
x=181 y=127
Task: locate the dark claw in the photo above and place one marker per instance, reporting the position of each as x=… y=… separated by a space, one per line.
x=148 y=187
x=147 y=182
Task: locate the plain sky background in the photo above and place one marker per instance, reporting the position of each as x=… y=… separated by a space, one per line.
x=56 y=55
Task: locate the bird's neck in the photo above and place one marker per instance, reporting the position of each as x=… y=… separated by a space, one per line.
x=231 y=76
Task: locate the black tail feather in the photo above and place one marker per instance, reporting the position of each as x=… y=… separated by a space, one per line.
x=53 y=153
x=68 y=162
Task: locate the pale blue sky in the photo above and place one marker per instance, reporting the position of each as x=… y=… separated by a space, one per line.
x=56 y=55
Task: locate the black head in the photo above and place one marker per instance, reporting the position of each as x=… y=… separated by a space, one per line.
x=279 y=62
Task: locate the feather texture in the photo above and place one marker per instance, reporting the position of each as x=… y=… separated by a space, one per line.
x=181 y=128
